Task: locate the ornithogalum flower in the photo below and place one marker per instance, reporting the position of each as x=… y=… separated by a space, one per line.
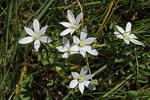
x=72 y=25
x=82 y=79
x=37 y=35
x=84 y=44
x=126 y=35
x=67 y=49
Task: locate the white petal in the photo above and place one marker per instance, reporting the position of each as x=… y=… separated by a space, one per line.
x=72 y=31
x=65 y=32
x=78 y=19
x=26 y=40
x=82 y=53
x=67 y=45
x=36 y=44
x=128 y=27
x=43 y=30
x=126 y=41
x=87 y=77
x=81 y=87
x=64 y=40
x=118 y=35
x=29 y=31
x=83 y=71
x=36 y=26
x=89 y=40
x=45 y=39
x=86 y=83
x=65 y=55
x=73 y=84
x=133 y=36
x=93 y=52
x=76 y=40
x=74 y=48
x=83 y=36
x=136 y=42
x=66 y=24
x=71 y=17
x=61 y=49
x=120 y=29
x=75 y=75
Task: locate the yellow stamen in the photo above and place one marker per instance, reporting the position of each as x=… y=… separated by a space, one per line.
x=81 y=79
x=68 y=50
x=74 y=26
x=126 y=37
x=36 y=37
x=81 y=44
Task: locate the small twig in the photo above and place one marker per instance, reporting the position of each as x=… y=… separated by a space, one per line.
x=81 y=14
x=111 y=4
x=20 y=81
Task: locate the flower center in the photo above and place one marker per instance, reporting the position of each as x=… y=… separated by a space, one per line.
x=36 y=37
x=81 y=79
x=74 y=26
x=68 y=50
x=126 y=37
x=81 y=44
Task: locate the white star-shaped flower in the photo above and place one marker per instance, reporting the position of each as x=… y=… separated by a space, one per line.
x=125 y=34
x=84 y=44
x=67 y=49
x=72 y=25
x=37 y=35
x=82 y=79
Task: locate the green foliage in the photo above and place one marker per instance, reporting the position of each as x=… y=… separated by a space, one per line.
x=122 y=72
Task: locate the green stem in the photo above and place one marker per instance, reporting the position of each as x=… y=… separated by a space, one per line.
x=87 y=63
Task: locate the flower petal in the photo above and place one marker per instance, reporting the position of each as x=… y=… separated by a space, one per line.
x=83 y=36
x=118 y=35
x=29 y=31
x=74 y=48
x=71 y=17
x=26 y=40
x=86 y=83
x=75 y=75
x=61 y=49
x=65 y=55
x=36 y=26
x=82 y=53
x=120 y=29
x=84 y=71
x=72 y=31
x=43 y=30
x=136 y=42
x=36 y=44
x=78 y=19
x=73 y=83
x=45 y=39
x=93 y=52
x=87 y=77
x=133 y=36
x=81 y=87
x=66 y=24
x=128 y=27
x=89 y=40
x=65 y=32
x=67 y=45
x=76 y=40
x=126 y=41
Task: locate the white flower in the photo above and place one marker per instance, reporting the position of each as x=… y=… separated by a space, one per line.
x=37 y=35
x=84 y=43
x=69 y=50
x=125 y=34
x=82 y=79
x=72 y=25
